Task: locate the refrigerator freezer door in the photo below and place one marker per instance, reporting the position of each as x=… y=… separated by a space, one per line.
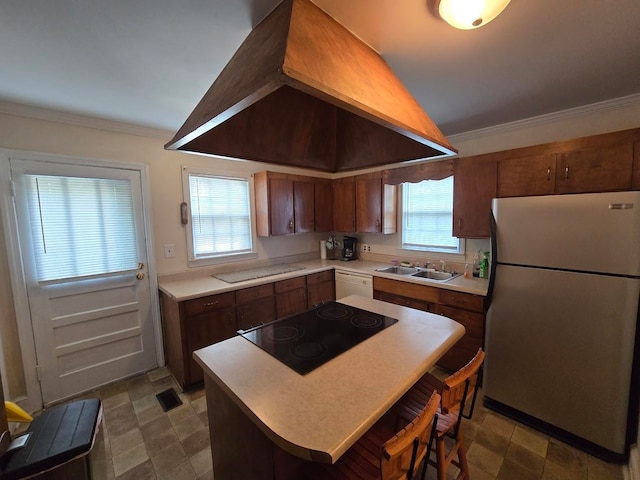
x=560 y=347
x=597 y=232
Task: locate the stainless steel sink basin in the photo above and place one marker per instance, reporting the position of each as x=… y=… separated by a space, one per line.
x=434 y=275
x=399 y=270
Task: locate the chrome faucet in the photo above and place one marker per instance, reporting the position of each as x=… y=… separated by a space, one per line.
x=442 y=265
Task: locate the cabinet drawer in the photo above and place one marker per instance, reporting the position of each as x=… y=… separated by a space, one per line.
x=461 y=300
x=472 y=322
x=290 y=284
x=254 y=293
x=406 y=289
x=320 y=277
x=404 y=301
x=212 y=302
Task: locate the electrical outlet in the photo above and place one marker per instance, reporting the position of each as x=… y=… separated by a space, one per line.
x=368 y=248
x=364 y=247
x=169 y=251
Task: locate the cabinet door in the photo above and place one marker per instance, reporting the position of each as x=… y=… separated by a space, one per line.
x=595 y=169
x=344 y=206
x=252 y=313
x=369 y=205
x=468 y=345
x=323 y=206
x=320 y=292
x=281 y=215
x=520 y=177
x=474 y=185
x=205 y=329
x=293 y=301
x=303 y=201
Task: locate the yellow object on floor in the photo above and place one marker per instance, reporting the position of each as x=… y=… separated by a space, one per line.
x=15 y=413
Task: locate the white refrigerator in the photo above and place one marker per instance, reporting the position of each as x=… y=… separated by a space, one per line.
x=561 y=326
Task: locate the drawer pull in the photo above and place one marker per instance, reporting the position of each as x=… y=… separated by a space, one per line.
x=211 y=304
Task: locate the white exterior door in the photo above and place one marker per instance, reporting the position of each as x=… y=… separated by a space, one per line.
x=82 y=240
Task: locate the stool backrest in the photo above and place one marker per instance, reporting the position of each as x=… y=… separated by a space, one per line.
x=402 y=453
x=461 y=385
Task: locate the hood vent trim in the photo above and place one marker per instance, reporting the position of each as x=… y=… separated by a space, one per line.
x=303 y=91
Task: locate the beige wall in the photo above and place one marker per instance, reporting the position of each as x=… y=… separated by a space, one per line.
x=29 y=134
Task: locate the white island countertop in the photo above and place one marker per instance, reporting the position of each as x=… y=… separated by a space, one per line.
x=318 y=416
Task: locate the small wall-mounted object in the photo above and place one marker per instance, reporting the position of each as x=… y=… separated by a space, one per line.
x=184 y=213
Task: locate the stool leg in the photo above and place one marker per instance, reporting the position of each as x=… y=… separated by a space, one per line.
x=441 y=455
x=462 y=455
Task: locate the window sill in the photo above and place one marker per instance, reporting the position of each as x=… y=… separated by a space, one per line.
x=201 y=262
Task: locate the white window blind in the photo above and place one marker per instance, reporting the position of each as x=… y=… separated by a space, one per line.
x=428 y=216
x=220 y=215
x=81 y=226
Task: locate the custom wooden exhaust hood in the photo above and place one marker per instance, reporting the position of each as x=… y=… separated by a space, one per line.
x=304 y=91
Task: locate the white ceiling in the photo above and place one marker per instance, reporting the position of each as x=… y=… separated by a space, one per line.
x=148 y=62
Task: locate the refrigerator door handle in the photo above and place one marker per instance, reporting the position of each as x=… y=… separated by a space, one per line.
x=494 y=260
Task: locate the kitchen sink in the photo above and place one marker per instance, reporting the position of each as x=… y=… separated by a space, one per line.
x=434 y=275
x=399 y=270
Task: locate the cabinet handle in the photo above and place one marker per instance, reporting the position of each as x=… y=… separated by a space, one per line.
x=377 y=222
x=566 y=172
x=548 y=173
x=290 y=223
x=211 y=304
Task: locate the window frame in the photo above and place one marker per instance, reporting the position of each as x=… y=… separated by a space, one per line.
x=459 y=251
x=192 y=260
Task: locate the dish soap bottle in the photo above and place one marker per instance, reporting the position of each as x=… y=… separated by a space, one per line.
x=484 y=265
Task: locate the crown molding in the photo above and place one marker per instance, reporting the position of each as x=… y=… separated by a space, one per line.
x=79 y=120
x=548 y=118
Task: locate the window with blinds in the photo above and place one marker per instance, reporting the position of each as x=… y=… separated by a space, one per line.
x=220 y=216
x=427 y=216
x=81 y=226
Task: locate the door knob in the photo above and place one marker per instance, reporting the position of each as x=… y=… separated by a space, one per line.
x=140 y=276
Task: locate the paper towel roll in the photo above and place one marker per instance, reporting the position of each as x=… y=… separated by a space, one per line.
x=323 y=250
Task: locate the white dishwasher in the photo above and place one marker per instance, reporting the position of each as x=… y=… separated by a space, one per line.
x=349 y=283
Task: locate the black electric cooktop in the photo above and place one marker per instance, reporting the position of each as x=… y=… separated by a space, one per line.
x=306 y=340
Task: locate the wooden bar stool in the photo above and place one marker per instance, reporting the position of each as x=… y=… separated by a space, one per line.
x=378 y=457
x=457 y=391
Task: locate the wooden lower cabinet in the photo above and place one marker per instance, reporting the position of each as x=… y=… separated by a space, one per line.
x=291 y=296
x=255 y=305
x=321 y=287
x=404 y=301
x=464 y=308
x=191 y=325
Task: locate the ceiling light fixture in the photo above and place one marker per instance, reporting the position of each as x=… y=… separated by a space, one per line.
x=468 y=14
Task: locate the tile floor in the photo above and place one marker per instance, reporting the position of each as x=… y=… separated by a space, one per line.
x=143 y=442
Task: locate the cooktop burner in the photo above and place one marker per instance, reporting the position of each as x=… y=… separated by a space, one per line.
x=306 y=340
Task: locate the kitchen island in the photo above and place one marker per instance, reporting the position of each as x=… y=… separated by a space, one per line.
x=265 y=418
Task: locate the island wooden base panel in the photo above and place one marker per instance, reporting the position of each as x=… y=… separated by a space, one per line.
x=239 y=449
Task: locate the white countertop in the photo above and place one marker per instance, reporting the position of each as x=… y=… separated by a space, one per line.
x=200 y=285
x=320 y=415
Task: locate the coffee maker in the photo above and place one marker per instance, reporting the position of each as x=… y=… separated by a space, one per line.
x=349 y=248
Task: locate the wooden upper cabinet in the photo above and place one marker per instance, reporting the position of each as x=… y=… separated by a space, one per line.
x=375 y=205
x=474 y=186
x=596 y=169
x=280 y=202
x=303 y=206
x=525 y=176
x=344 y=205
x=284 y=203
x=323 y=205
x=635 y=177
